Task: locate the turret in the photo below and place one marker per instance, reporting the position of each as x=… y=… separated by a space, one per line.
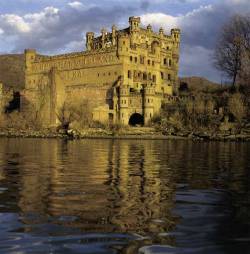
x=149 y=28
x=123 y=45
x=134 y=23
x=114 y=35
x=149 y=97
x=124 y=103
x=30 y=55
x=161 y=32
x=104 y=33
x=89 y=40
x=176 y=34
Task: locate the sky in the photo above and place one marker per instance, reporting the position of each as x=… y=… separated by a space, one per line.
x=59 y=26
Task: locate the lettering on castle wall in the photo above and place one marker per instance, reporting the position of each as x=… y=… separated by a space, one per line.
x=68 y=64
x=72 y=75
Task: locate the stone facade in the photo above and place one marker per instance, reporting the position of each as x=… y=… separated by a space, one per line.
x=126 y=74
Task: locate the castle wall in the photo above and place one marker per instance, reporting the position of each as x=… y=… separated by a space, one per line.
x=137 y=64
x=78 y=77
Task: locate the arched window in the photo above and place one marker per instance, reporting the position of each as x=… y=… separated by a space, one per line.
x=129 y=74
x=142 y=59
x=162 y=75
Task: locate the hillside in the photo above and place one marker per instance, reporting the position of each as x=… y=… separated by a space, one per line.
x=12 y=70
x=198 y=84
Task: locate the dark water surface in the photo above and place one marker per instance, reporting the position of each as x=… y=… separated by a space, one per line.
x=111 y=196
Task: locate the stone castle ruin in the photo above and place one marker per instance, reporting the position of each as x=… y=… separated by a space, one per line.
x=124 y=74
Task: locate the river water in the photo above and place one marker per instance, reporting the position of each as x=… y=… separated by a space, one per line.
x=124 y=196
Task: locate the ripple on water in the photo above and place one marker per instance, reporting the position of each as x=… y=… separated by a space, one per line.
x=123 y=197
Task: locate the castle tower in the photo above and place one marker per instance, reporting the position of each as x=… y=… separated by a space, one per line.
x=30 y=55
x=134 y=27
x=149 y=97
x=161 y=32
x=104 y=34
x=124 y=103
x=175 y=34
x=114 y=35
x=149 y=28
x=89 y=40
x=134 y=24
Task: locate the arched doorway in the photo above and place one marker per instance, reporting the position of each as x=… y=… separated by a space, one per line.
x=136 y=119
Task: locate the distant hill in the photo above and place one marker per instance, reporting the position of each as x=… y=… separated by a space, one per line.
x=12 y=70
x=197 y=84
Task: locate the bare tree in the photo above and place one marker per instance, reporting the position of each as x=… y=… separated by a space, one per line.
x=232 y=46
x=66 y=115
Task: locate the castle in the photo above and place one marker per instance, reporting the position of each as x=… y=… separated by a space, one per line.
x=125 y=75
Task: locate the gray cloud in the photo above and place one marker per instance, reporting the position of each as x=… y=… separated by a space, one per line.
x=51 y=30
x=200 y=30
x=60 y=30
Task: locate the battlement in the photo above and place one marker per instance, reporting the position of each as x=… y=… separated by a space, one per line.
x=110 y=39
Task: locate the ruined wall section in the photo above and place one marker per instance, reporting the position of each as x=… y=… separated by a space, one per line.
x=85 y=75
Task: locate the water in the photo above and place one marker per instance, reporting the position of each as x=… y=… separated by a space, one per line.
x=124 y=196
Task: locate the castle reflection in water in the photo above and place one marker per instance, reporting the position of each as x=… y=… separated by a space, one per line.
x=106 y=186
x=110 y=187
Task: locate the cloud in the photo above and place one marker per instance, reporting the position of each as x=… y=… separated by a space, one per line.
x=76 y=5
x=194 y=24
x=11 y=23
x=53 y=30
x=200 y=29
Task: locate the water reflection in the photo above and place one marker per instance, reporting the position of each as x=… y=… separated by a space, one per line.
x=110 y=196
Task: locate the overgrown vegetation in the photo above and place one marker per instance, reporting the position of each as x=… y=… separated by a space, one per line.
x=204 y=113
x=214 y=109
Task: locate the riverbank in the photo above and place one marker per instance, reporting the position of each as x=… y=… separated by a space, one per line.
x=129 y=133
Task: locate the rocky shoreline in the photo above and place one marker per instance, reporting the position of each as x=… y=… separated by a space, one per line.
x=129 y=134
